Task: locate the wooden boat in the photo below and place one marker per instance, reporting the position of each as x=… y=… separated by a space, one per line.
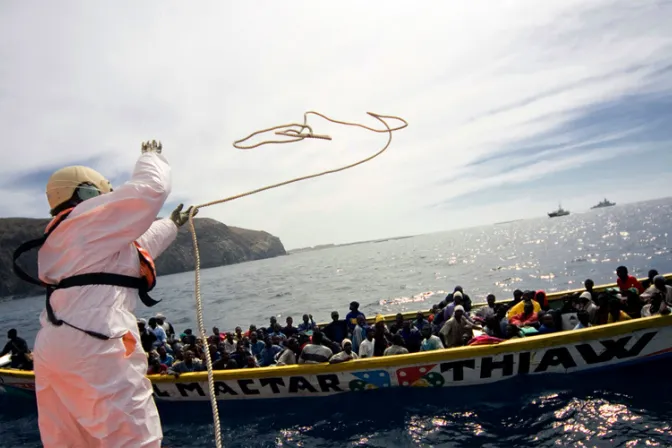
x=613 y=345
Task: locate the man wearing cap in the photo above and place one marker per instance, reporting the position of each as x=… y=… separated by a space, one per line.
x=167 y=326
x=90 y=365
x=586 y=304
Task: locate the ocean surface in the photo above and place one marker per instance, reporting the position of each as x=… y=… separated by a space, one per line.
x=633 y=408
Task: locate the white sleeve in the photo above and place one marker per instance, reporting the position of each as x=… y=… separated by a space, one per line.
x=106 y=223
x=158 y=237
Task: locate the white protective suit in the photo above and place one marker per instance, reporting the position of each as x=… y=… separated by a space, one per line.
x=90 y=392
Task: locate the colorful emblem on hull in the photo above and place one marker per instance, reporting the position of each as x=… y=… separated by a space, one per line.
x=420 y=376
x=373 y=379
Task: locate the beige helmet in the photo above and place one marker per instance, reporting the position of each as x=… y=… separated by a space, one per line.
x=63 y=183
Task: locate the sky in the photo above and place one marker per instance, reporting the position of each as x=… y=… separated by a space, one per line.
x=513 y=107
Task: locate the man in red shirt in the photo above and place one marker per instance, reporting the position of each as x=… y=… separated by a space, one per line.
x=626 y=281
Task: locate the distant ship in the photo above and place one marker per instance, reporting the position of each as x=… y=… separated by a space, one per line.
x=559 y=212
x=604 y=203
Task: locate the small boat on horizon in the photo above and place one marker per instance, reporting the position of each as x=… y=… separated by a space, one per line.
x=559 y=212
x=605 y=203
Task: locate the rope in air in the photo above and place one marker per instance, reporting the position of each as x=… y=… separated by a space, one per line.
x=296 y=132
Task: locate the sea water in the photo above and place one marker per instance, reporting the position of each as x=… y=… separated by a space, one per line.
x=631 y=409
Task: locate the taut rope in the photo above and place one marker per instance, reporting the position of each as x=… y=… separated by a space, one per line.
x=296 y=132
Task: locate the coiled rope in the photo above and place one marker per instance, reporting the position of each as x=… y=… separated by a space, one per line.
x=296 y=133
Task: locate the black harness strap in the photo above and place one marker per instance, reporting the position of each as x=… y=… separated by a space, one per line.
x=96 y=278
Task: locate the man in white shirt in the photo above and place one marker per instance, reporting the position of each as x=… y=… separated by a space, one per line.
x=366 y=347
x=158 y=331
x=315 y=353
x=230 y=343
x=288 y=355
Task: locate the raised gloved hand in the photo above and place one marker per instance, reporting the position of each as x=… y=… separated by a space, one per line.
x=152 y=146
x=180 y=217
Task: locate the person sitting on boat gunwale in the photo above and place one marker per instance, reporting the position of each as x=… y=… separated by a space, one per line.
x=18 y=347
x=626 y=281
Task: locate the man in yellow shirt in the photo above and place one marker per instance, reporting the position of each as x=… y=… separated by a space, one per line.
x=519 y=307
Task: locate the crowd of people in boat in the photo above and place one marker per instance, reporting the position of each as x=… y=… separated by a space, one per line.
x=448 y=324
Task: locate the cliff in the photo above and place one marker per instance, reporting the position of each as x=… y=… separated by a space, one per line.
x=219 y=245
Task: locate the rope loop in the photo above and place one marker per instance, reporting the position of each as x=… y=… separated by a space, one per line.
x=295 y=133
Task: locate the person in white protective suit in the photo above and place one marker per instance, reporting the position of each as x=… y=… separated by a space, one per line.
x=89 y=363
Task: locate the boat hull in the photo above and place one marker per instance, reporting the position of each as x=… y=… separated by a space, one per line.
x=566 y=353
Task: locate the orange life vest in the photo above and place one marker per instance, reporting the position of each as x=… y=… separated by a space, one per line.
x=145 y=283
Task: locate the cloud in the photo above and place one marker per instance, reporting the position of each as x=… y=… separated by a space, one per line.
x=503 y=99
